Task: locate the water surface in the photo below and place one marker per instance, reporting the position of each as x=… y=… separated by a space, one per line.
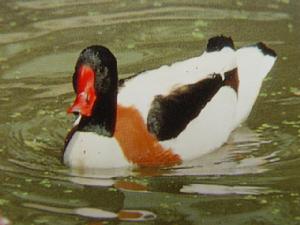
x=253 y=179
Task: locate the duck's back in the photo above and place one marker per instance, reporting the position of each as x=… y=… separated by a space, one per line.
x=188 y=106
x=141 y=90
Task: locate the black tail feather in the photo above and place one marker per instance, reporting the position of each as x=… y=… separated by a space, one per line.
x=218 y=42
x=265 y=49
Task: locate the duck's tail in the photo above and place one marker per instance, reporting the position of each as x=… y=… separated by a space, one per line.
x=254 y=63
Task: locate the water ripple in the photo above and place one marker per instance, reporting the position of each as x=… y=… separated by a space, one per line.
x=36 y=4
x=211 y=189
x=157 y=14
x=123 y=215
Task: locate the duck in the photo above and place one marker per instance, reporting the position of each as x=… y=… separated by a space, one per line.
x=165 y=116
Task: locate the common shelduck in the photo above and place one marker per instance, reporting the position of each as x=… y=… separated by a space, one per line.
x=163 y=116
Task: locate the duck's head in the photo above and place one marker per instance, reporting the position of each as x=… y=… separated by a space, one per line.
x=95 y=83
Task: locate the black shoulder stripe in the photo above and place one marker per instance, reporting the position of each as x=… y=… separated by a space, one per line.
x=169 y=115
x=218 y=42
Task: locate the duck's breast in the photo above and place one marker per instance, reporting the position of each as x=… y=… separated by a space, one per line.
x=90 y=150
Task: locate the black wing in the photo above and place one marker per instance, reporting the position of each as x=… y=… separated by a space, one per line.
x=169 y=115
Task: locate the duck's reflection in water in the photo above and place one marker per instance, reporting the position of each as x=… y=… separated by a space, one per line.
x=233 y=158
x=4 y=220
x=96 y=213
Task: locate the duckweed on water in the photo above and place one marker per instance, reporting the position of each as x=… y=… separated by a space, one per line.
x=41 y=220
x=284 y=1
x=45 y=183
x=20 y=194
x=266 y=126
x=41 y=112
x=13 y=23
x=28 y=180
x=15 y=115
x=111 y=189
x=2 y=59
x=263 y=201
x=5 y=99
x=239 y=3
x=131 y=46
x=164 y=205
x=157 y=4
x=276 y=93
x=273 y=6
x=262 y=94
x=275 y=211
x=3 y=202
x=5 y=67
x=294 y=124
x=198 y=34
x=250 y=197
x=144 y=182
x=200 y=23
x=35 y=144
x=295 y=91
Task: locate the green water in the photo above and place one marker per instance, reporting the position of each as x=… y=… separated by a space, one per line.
x=254 y=179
